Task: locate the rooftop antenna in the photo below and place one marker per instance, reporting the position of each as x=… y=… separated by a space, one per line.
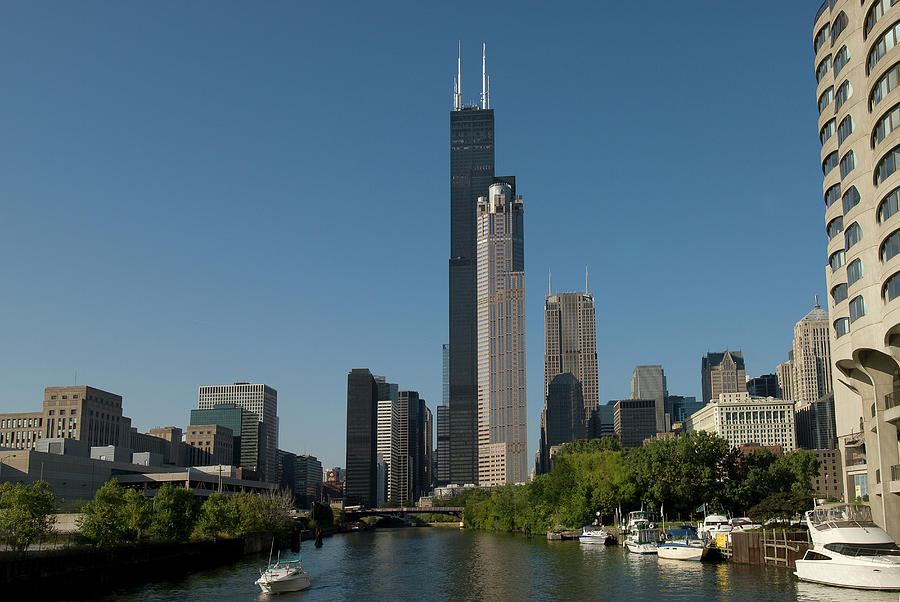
x=817 y=301
x=457 y=83
x=585 y=280
x=549 y=280
x=485 y=101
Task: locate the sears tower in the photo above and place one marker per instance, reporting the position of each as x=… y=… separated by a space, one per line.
x=471 y=175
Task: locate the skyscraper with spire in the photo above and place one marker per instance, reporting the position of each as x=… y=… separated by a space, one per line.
x=471 y=174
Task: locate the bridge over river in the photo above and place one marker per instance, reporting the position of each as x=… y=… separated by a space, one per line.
x=357 y=513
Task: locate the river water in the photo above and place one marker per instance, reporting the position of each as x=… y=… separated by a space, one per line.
x=449 y=564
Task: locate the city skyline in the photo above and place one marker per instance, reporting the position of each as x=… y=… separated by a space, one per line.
x=132 y=189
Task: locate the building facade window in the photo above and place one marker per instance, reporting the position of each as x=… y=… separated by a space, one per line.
x=857 y=308
x=850 y=199
x=889 y=205
x=887 y=165
x=839 y=293
x=844 y=92
x=836 y=261
x=821 y=37
x=832 y=194
x=885 y=42
x=840 y=59
x=827 y=131
x=852 y=236
x=838 y=26
x=823 y=68
x=848 y=164
x=891 y=288
x=826 y=98
x=855 y=271
x=875 y=13
x=890 y=248
x=845 y=129
x=835 y=227
x=886 y=83
x=830 y=162
x=886 y=125
x=841 y=327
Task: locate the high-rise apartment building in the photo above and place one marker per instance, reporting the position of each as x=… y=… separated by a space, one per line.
x=570 y=348
x=785 y=374
x=811 y=357
x=649 y=382
x=570 y=343
x=428 y=450
x=634 y=420
x=388 y=439
x=722 y=373
x=442 y=454
x=249 y=446
x=411 y=475
x=471 y=174
x=361 y=482
x=501 y=338
x=262 y=400
x=764 y=386
x=856 y=63
x=815 y=423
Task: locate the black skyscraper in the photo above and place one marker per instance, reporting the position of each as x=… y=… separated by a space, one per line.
x=471 y=174
x=362 y=411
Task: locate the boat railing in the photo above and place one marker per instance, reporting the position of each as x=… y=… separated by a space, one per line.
x=862 y=550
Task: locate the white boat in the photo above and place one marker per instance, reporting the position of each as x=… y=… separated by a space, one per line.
x=642 y=534
x=283 y=576
x=593 y=534
x=742 y=523
x=682 y=544
x=713 y=525
x=849 y=549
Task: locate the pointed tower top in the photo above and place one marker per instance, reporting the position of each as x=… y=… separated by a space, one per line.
x=817 y=301
x=457 y=84
x=485 y=90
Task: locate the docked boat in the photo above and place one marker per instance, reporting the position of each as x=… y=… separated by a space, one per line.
x=849 y=549
x=283 y=576
x=742 y=523
x=642 y=535
x=682 y=544
x=593 y=534
x=712 y=525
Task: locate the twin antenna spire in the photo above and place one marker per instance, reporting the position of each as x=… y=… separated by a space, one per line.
x=485 y=81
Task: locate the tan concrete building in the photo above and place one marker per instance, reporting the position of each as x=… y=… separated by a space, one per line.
x=570 y=337
x=740 y=419
x=500 y=309
x=722 y=373
x=811 y=357
x=77 y=412
x=210 y=444
x=857 y=68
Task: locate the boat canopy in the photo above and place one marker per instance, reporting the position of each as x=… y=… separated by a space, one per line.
x=859 y=513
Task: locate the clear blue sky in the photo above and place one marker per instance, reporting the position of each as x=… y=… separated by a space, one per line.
x=198 y=193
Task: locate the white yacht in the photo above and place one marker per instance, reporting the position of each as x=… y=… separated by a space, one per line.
x=682 y=544
x=283 y=576
x=593 y=534
x=849 y=549
x=712 y=525
x=642 y=535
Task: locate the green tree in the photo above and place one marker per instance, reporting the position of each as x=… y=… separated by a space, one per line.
x=102 y=522
x=174 y=513
x=26 y=513
x=322 y=514
x=218 y=517
x=136 y=514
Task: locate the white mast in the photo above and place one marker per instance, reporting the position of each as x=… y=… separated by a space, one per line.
x=485 y=101
x=457 y=83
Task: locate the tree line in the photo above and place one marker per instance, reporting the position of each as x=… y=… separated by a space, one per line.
x=679 y=474
x=119 y=516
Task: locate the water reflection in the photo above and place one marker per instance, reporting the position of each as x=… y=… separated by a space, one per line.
x=438 y=564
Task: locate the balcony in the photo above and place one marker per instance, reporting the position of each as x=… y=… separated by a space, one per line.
x=892 y=408
x=894 y=485
x=854 y=440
